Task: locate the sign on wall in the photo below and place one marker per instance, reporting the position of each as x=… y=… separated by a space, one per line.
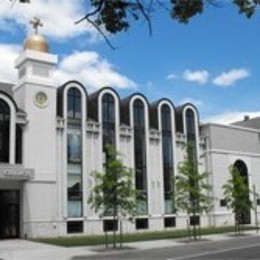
x=13 y=172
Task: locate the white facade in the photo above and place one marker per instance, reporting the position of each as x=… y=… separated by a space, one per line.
x=46 y=174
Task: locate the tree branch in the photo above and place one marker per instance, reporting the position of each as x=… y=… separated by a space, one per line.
x=101 y=32
x=97 y=10
x=146 y=16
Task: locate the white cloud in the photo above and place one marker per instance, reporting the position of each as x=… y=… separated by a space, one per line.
x=230 y=117
x=171 y=77
x=193 y=101
x=93 y=71
x=87 y=67
x=230 y=77
x=58 y=16
x=198 y=76
x=8 y=55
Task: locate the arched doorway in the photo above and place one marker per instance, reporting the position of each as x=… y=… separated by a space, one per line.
x=242 y=168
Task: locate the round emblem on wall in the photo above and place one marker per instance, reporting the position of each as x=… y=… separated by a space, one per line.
x=41 y=99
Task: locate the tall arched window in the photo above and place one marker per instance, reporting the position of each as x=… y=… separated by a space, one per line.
x=74 y=157
x=108 y=120
x=140 y=155
x=167 y=149
x=245 y=218
x=4 y=131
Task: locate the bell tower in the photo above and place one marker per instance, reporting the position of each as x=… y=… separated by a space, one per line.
x=35 y=93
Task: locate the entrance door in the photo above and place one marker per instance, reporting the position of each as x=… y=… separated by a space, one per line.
x=9 y=213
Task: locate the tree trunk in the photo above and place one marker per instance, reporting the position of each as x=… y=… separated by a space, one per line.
x=121 y=233
x=114 y=227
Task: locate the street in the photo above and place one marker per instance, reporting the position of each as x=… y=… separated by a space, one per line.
x=246 y=247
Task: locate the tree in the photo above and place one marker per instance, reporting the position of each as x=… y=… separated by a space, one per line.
x=116 y=15
x=236 y=195
x=192 y=189
x=114 y=193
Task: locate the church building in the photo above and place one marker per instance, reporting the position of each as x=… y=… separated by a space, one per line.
x=53 y=137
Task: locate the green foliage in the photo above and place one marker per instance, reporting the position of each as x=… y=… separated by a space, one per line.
x=114 y=191
x=116 y=15
x=248 y=7
x=184 y=10
x=75 y=241
x=191 y=187
x=236 y=192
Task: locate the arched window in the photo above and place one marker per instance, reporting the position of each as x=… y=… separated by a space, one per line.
x=245 y=218
x=4 y=131
x=108 y=120
x=140 y=155
x=166 y=122
x=74 y=103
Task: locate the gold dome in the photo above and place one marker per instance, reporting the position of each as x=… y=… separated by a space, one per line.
x=36 y=42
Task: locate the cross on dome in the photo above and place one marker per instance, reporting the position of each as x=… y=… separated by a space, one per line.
x=36 y=23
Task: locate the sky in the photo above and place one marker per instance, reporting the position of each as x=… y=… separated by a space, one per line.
x=212 y=62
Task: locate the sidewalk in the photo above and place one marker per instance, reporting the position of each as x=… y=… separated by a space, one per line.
x=26 y=250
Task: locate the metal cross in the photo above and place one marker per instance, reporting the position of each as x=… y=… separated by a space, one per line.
x=36 y=22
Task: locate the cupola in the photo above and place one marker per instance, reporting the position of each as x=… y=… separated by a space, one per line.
x=36 y=42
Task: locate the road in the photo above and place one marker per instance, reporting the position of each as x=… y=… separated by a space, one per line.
x=239 y=248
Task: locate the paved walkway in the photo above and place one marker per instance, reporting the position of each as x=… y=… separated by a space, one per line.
x=26 y=250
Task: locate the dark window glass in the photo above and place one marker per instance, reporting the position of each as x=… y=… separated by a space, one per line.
x=138 y=113
x=166 y=118
x=110 y=225
x=108 y=118
x=141 y=223
x=223 y=203
x=191 y=134
x=194 y=220
x=245 y=217
x=108 y=108
x=74 y=187
x=18 y=145
x=190 y=125
x=139 y=141
x=170 y=222
x=74 y=145
x=167 y=149
x=168 y=174
x=75 y=227
x=4 y=131
x=74 y=103
x=258 y=202
x=140 y=155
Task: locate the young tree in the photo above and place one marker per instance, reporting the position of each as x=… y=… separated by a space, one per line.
x=236 y=195
x=114 y=193
x=192 y=189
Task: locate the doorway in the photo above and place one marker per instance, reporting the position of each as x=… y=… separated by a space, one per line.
x=9 y=214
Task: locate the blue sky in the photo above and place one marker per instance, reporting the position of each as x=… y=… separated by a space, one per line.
x=213 y=61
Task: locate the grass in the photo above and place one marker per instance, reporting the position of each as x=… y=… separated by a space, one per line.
x=73 y=241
